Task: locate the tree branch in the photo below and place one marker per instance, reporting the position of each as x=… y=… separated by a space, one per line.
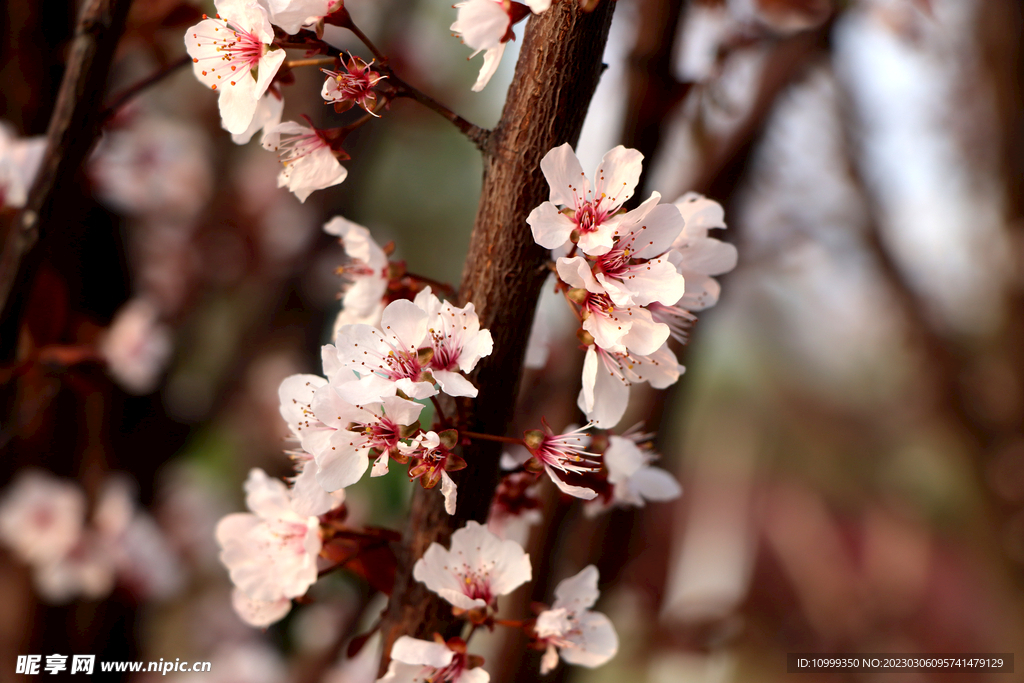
x=73 y=128
x=558 y=70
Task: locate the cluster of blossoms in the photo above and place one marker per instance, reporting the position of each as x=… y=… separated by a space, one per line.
x=471 y=575
x=634 y=277
x=43 y=523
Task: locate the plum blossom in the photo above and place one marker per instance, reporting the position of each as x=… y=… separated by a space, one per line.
x=563 y=453
x=366 y=270
x=292 y=15
x=633 y=480
x=696 y=256
x=414 y=661
x=386 y=361
x=269 y=110
x=232 y=54
x=486 y=25
x=571 y=630
x=456 y=340
x=436 y=460
x=41 y=517
x=270 y=553
x=352 y=86
x=478 y=568
x=607 y=376
x=137 y=346
x=309 y=162
x=359 y=434
x=591 y=217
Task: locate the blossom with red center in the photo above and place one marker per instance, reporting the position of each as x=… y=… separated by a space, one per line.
x=434 y=460
x=353 y=86
x=563 y=453
x=388 y=360
x=366 y=272
x=590 y=216
x=232 y=54
x=415 y=661
x=477 y=569
x=310 y=163
x=456 y=340
x=629 y=328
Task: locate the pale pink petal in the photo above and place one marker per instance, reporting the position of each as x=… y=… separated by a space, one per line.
x=569 y=184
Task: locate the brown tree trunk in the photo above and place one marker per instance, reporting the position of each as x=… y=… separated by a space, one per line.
x=558 y=70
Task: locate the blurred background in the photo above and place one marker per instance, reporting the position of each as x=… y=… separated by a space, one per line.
x=849 y=433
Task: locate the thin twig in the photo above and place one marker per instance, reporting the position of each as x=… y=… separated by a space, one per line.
x=477 y=135
x=122 y=98
x=314 y=61
x=450 y=291
x=491 y=437
x=378 y=55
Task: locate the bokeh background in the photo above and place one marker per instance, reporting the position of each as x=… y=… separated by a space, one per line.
x=850 y=430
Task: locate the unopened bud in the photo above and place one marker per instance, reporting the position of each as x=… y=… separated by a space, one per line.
x=585 y=337
x=578 y=295
x=533 y=438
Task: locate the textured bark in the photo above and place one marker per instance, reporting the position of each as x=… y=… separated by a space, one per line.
x=74 y=126
x=558 y=70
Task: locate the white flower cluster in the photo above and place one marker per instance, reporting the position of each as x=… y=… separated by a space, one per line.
x=234 y=54
x=43 y=523
x=634 y=277
x=472 y=574
x=486 y=25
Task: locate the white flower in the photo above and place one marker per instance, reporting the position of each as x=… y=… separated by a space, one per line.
x=309 y=162
x=614 y=328
x=486 y=25
x=259 y=613
x=367 y=269
x=226 y=50
x=41 y=517
x=271 y=554
x=292 y=15
x=636 y=270
x=607 y=376
x=696 y=256
x=633 y=480
x=137 y=346
x=309 y=498
x=564 y=453
x=155 y=166
x=87 y=570
x=478 y=568
x=569 y=628
x=591 y=214
x=416 y=661
x=19 y=163
x=457 y=342
x=386 y=361
x=268 y=113
x=357 y=431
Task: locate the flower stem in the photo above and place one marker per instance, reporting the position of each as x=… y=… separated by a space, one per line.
x=477 y=135
x=315 y=61
x=123 y=97
x=439 y=410
x=491 y=437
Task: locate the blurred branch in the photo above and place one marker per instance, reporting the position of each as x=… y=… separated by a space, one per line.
x=126 y=95
x=555 y=78
x=74 y=125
